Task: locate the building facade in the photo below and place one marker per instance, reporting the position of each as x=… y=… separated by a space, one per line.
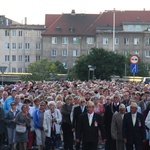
x=65 y=37
x=20 y=45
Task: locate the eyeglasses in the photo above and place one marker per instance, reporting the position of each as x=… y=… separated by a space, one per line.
x=13 y=105
x=83 y=102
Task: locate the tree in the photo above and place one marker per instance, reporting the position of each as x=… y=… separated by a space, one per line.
x=106 y=63
x=44 y=69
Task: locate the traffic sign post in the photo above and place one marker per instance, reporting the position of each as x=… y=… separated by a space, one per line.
x=134 y=59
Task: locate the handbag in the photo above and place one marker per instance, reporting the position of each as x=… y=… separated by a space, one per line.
x=20 y=128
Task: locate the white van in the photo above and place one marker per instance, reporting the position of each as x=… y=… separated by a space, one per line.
x=146 y=80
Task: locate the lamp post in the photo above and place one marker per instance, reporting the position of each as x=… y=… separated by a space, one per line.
x=91 y=68
x=2 y=69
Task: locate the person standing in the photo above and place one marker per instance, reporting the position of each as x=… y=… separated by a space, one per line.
x=9 y=100
x=76 y=114
x=23 y=119
x=38 y=118
x=11 y=125
x=133 y=128
x=2 y=126
x=116 y=127
x=88 y=128
x=66 y=123
x=109 y=111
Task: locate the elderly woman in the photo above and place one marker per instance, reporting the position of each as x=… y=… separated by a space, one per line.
x=11 y=125
x=51 y=125
x=23 y=119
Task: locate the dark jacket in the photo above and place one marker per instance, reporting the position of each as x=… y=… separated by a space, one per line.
x=134 y=133
x=90 y=133
x=9 y=119
x=66 y=111
x=2 y=122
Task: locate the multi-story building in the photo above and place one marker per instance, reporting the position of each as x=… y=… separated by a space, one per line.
x=65 y=37
x=20 y=44
x=70 y=35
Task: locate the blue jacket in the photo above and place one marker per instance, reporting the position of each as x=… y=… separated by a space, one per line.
x=7 y=103
x=36 y=119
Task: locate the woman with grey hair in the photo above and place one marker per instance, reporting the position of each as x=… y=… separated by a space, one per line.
x=51 y=125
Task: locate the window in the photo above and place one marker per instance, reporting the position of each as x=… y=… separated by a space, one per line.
x=88 y=51
x=38 y=33
x=27 y=46
x=126 y=53
x=13 y=45
x=53 y=52
x=64 y=52
x=27 y=33
x=13 y=69
x=19 y=57
x=13 y=57
x=130 y=28
x=75 y=54
x=65 y=65
x=147 y=41
x=105 y=41
x=147 y=53
x=64 y=40
x=136 y=52
x=6 y=45
x=137 y=28
x=90 y=40
x=38 y=46
x=75 y=40
x=6 y=57
x=136 y=41
x=54 y=40
x=20 y=69
x=20 y=33
x=20 y=46
x=126 y=41
x=13 y=32
x=6 y=32
x=116 y=41
x=38 y=57
x=27 y=58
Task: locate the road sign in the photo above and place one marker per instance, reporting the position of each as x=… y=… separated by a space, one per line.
x=134 y=59
x=134 y=68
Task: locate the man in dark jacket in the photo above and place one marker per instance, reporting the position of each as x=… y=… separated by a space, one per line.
x=88 y=127
x=133 y=128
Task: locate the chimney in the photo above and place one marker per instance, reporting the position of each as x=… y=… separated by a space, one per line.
x=25 y=20
x=73 y=12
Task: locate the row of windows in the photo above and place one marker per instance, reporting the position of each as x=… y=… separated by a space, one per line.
x=134 y=27
x=126 y=41
x=20 y=33
x=20 y=46
x=147 y=53
x=75 y=40
x=20 y=58
x=64 y=53
x=90 y=40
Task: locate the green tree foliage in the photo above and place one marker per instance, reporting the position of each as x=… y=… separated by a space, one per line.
x=42 y=69
x=106 y=64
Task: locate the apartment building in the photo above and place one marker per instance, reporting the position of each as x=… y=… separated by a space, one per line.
x=20 y=45
x=65 y=37
x=68 y=36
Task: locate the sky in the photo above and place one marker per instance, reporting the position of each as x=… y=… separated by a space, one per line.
x=35 y=10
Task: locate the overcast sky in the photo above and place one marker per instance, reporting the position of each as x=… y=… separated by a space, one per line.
x=35 y=10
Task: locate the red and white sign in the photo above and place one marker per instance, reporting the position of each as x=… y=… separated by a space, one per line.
x=134 y=59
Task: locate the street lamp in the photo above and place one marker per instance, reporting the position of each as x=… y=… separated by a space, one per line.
x=91 y=68
x=2 y=69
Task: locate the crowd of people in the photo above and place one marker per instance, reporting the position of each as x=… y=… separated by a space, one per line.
x=75 y=115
